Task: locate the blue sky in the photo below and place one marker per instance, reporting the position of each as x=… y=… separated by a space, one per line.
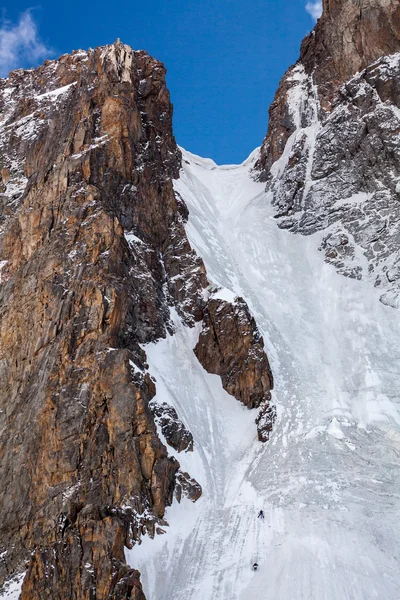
x=224 y=57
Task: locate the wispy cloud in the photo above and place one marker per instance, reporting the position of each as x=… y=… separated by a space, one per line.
x=20 y=44
x=315 y=9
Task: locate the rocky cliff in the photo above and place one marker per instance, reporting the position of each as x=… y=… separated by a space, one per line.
x=93 y=255
x=331 y=157
x=348 y=37
x=244 y=369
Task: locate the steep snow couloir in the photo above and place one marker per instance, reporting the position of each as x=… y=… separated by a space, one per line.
x=327 y=479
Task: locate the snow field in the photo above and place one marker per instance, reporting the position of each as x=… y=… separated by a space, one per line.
x=328 y=480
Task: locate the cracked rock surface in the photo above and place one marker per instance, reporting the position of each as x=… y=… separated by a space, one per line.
x=331 y=158
x=93 y=257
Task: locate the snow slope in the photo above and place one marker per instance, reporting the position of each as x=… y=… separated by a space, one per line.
x=328 y=480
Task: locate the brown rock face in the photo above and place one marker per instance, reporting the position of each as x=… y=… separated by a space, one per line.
x=231 y=346
x=93 y=252
x=349 y=36
x=75 y=566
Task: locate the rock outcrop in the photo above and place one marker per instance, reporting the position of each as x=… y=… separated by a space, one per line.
x=231 y=346
x=93 y=254
x=187 y=486
x=349 y=36
x=331 y=158
x=175 y=432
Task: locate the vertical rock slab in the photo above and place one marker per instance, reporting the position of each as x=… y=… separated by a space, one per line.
x=231 y=346
x=92 y=246
x=348 y=37
x=93 y=255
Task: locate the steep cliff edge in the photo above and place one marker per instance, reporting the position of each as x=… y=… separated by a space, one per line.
x=331 y=158
x=87 y=153
x=93 y=254
x=348 y=37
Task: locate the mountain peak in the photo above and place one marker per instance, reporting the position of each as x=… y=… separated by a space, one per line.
x=349 y=36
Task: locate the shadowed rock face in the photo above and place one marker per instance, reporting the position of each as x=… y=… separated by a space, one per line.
x=174 y=431
x=93 y=254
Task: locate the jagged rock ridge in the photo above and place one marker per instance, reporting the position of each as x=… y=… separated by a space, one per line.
x=349 y=36
x=331 y=157
x=93 y=253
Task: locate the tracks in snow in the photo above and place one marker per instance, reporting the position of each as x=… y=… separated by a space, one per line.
x=328 y=479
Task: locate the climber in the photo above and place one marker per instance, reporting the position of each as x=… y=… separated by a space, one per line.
x=255 y=567
x=261 y=514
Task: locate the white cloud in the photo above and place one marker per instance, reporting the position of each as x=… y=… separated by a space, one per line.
x=20 y=44
x=315 y=9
